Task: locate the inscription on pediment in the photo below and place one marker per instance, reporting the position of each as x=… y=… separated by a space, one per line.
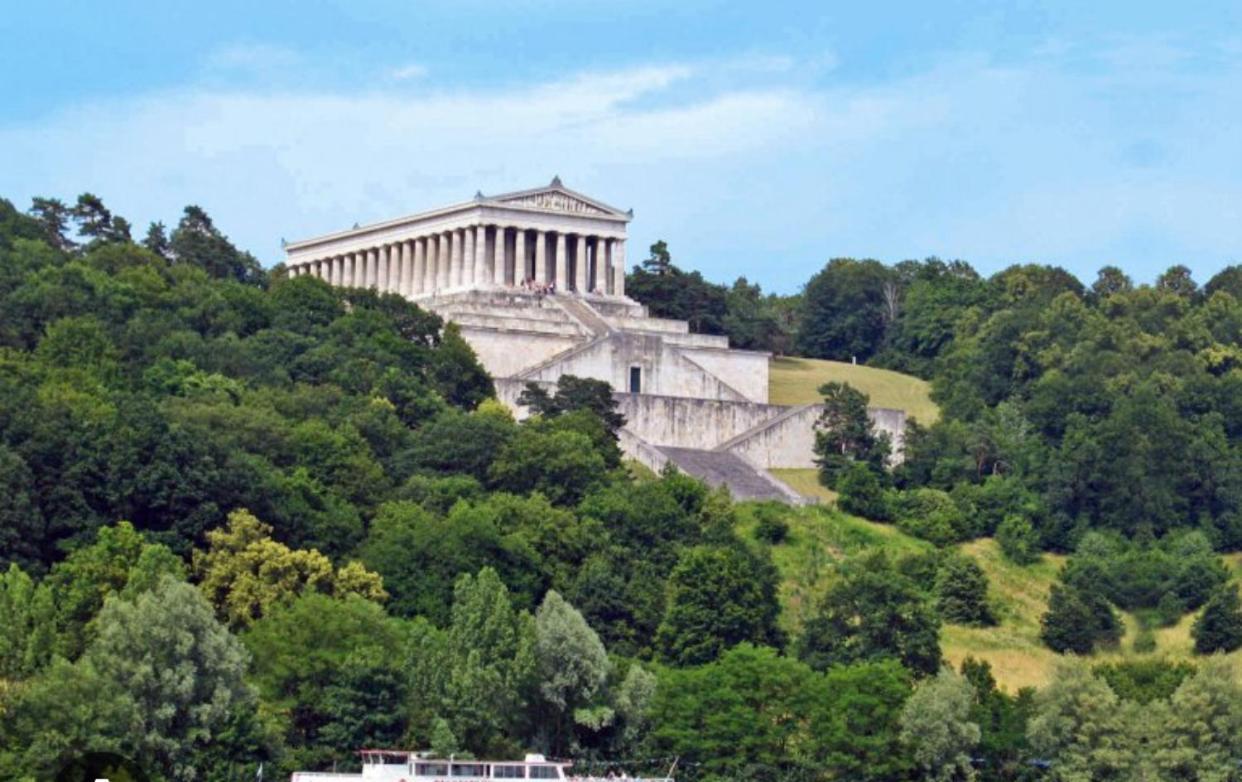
x=558 y=201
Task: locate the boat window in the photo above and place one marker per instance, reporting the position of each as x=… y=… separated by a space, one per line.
x=508 y=772
x=431 y=769
x=469 y=770
x=544 y=772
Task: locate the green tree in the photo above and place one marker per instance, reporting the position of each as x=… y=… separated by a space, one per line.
x=1018 y=540
x=312 y=664
x=27 y=615
x=859 y=492
x=244 y=572
x=182 y=670
x=572 y=668
x=1079 y=728
x=196 y=241
x=873 y=612
x=743 y=716
x=491 y=661
x=856 y=724
x=717 y=598
x=1076 y=620
x=936 y=725
x=962 y=592
x=562 y=465
x=847 y=308
x=1199 y=739
x=1219 y=627
x=844 y=433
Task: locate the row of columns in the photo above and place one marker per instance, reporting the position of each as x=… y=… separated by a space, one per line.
x=480 y=256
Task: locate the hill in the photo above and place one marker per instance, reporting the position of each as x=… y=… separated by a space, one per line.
x=796 y=381
x=820 y=537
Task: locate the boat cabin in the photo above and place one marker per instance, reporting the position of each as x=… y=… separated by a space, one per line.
x=381 y=765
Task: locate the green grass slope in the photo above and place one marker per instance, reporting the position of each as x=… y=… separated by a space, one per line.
x=820 y=537
x=796 y=381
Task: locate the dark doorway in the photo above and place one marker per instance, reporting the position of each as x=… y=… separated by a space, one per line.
x=636 y=380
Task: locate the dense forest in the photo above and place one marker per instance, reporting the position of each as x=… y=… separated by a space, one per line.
x=250 y=521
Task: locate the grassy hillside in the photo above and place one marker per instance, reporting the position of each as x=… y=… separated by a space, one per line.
x=819 y=537
x=796 y=381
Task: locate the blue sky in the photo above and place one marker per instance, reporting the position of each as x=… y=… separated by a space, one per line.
x=758 y=139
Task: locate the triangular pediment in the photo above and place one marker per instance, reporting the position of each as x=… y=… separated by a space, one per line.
x=558 y=198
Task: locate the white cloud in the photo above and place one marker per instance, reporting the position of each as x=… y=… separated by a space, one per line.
x=408 y=72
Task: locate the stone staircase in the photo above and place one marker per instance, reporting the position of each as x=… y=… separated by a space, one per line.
x=720 y=468
x=583 y=313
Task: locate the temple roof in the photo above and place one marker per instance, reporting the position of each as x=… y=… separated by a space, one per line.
x=554 y=198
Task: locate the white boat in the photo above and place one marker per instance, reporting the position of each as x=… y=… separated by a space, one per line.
x=383 y=765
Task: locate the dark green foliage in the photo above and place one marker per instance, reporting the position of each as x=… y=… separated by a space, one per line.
x=771 y=526
x=846 y=308
x=1144 y=681
x=1077 y=620
x=962 y=592
x=742 y=716
x=718 y=598
x=562 y=465
x=873 y=612
x=573 y=394
x=1219 y=627
x=861 y=493
x=456 y=443
x=751 y=320
x=1002 y=719
x=844 y=434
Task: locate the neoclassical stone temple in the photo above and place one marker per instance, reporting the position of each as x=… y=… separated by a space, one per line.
x=549 y=235
x=535 y=280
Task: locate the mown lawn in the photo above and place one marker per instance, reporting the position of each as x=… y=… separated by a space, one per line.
x=796 y=381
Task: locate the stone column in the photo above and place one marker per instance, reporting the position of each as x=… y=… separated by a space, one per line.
x=382 y=271
x=480 y=256
x=407 y=271
x=618 y=267
x=338 y=271
x=519 y=256
x=498 y=257
x=420 y=266
x=541 y=256
x=467 y=257
x=601 y=264
x=580 y=264
x=562 y=264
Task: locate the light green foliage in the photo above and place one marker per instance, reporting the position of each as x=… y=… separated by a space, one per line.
x=936 y=725
x=86 y=577
x=181 y=670
x=1201 y=736
x=244 y=572
x=1018 y=539
x=491 y=664
x=572 y=667
x=28 y=621
x=1079 y=726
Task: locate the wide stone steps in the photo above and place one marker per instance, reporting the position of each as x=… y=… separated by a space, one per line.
x=719 y=468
